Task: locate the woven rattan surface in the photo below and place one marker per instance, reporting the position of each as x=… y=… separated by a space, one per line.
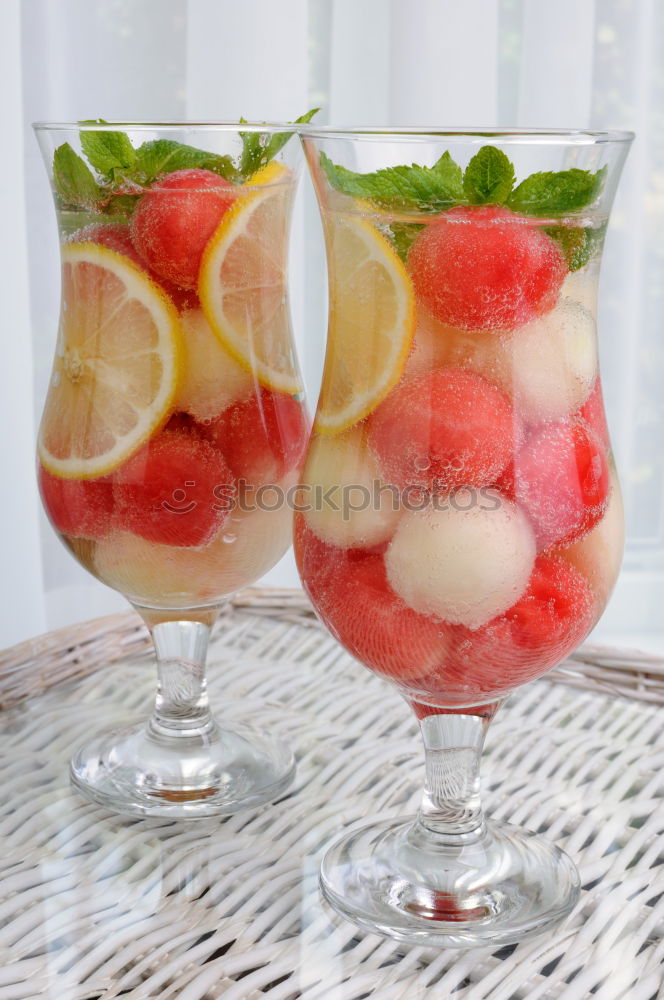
x=97 y=906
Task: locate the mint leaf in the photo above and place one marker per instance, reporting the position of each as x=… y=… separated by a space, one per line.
x=121 y=206
x=73 y=180
x=489 y=177
x=414 y=187
x=404 y=235
x=252 y=151
x=279 y=139
x=577 y=243
x=162 y=156
x=258 y=148
x=557 y=192
x=108 y=152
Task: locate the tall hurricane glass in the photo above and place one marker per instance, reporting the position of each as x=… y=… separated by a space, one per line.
x=460 y=523
x=174 y=424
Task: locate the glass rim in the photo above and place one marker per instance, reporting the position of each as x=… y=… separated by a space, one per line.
x=165 y=126
x=535 y=136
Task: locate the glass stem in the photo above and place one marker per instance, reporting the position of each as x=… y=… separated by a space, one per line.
x=181 y=706
x=451 y=810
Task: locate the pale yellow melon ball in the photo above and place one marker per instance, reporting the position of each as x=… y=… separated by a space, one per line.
x=437 y=345
x=350 y=505
x=246 y=547
x=212 y=380
x=547 y=366
x=553 y=363
x=581 y=286
x=464 y=566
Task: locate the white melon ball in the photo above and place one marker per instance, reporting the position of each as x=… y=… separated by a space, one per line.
x=554 y=363
x=464 y=566
x=151 y=573
x=581 y=286
x=212 y=380
x=350 y=504
x=433 y=344
x=598 y=555
x=438 y=345
x=247 y=546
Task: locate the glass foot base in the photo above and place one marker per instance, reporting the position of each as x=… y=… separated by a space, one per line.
x=136 y=772
x=501 y=886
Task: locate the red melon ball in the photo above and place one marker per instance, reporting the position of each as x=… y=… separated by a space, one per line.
x=169 y=491
x=485 y=268
x=443 y=429
x=561 y=478
x=544 y=626
x=594 y=414
x=349 y=589
x=80 y=508
x=263 y=437
x=174 y=220
x=116 y=236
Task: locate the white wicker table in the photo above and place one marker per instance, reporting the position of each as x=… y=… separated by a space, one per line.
x=97 y=906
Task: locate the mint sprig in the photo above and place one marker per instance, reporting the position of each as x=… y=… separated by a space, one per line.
x=488 y=179
x=122 y=171
x=427 y=189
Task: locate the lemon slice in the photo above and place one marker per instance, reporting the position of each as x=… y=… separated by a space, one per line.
x=242 y=282
x=372 y=322
x=116 y=364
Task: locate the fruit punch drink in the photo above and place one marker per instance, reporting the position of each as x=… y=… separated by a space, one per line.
x=175 y=400
x=175 y=423
x=475 y=530
x=461 y=525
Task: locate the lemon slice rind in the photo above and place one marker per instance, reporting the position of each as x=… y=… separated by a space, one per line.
x=389 y=369
x=232 y=226
x=165 y=318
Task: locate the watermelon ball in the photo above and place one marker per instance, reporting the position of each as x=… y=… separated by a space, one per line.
x=174 y=220
x=485 y=268
x=351 y=594
x=443 y=429
x=463 y=566
x=549 y=620
x=79 y=508
x=599 y=553
x=561 y=479
x=168 y=491
x=594 y=414
x=262 y=437
x=116 y=236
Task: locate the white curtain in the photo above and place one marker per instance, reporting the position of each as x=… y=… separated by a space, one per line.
x=575 y=63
